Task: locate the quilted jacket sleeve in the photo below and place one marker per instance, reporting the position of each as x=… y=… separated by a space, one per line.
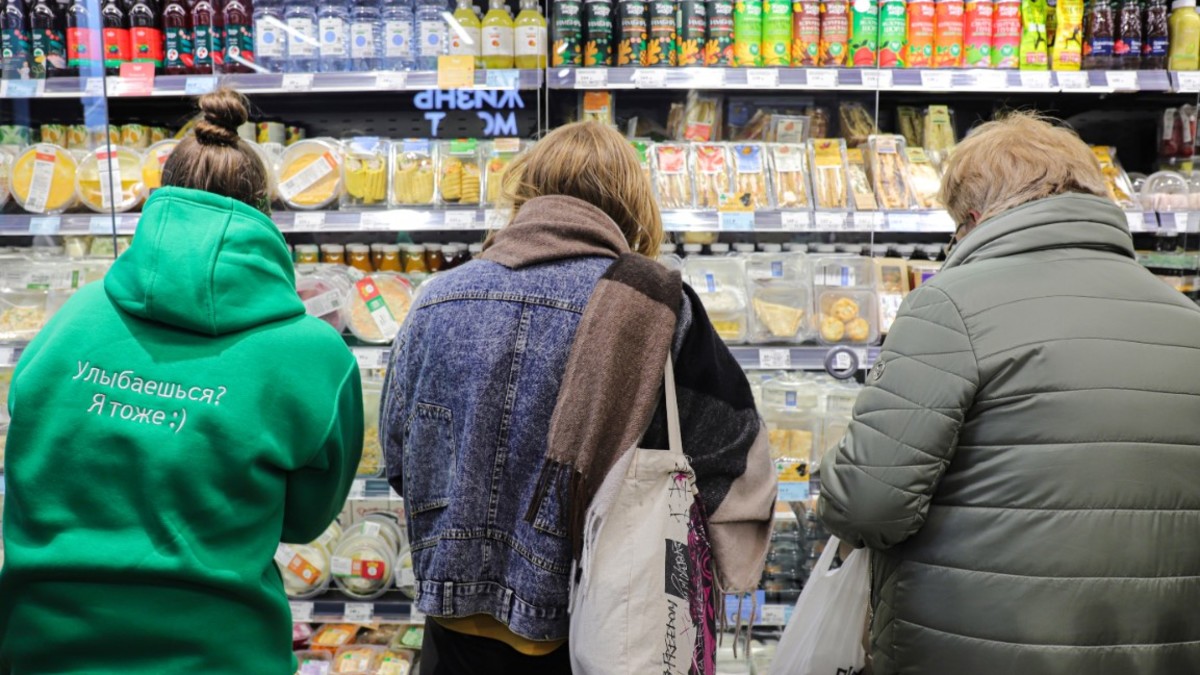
x=877 y=484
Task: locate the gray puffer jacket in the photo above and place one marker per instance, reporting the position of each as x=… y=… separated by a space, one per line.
x=1024 y=462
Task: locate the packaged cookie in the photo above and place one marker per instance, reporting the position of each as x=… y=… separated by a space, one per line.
x=924 y=178
x=460 y=180
x=710 y=166
x=750 y=175
x=501 y=153
x=672 y=183
x=860 y=184
x=889 y=172
x=365 y=172
x=827 y=156
x=789 y=164
x=413 y=173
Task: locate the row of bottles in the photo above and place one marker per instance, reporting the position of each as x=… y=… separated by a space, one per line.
x=50 y=38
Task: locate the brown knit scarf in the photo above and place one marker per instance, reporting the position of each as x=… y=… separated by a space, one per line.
x=614 y=374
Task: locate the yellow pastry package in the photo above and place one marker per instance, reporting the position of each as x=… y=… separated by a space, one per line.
x=846 y=303
x=779 y=285
x=501 y=153
x=671 y=180
x=789 y=163
x=860 y=184
x=889 y=172
x=827 y=156
x=460 y=180
x=750 y=175
x=413 y=172
x=710 y=166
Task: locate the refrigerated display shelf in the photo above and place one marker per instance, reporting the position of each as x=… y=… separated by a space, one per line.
x=258 y=83
x=926 y=80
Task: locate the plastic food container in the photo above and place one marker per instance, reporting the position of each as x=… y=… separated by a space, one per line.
x=314 y=662
x=406 y=579
x=379 y=526
x=790 y=163
x=331 y=636
x=310 y=174
x=43 y=179
x=153 y=162
x=304 y=568
x=324 y=294
x=501 y=153
x=460 y=179
x=672 y=183
x=843 y=271
x=780 y=313
x=847 y=317
x=365 y=172
x=376 y=307
x=721 y=284
x=357 y=659
x=1165 y=191
x=397 y=662
x=22 y=314
x=6 y=165
x=362 y=566
x=371 y=463
x=92 y=180
x=414 y=175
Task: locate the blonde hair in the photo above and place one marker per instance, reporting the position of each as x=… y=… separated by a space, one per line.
x=1014 y=160
x=595 y=163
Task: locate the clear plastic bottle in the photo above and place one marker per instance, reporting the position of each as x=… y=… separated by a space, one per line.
x=529 y=37
x=431 y=33
x=270 y=38
x=300 y=17
x=366 y=36
x=333 y=27
x=497 y=36
x=466 y=39
x=397 y=35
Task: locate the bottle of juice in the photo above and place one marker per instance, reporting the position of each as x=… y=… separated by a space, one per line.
x=1184 y=27
x=469 y=40
x=1098 y=33
x=806 y=33
x=922 y=16
x=498 y=36
x=567 y=35
x=719 y=50
x=145 y=38
x=948 y=34
x=115 y=36
x=864 y=34
x=598 y=33
x=692 y=42
x=893 y=32
x=1068 y=48
x=660 y=50
x=238 y=16
x=1155 y=36
x=1127 y=48
x=84 y=52
x=835 y=33
x=207 y=30
x=977 y=33
x=14 y=40
x=1006 y=33
x=1034 y=53
x=747 y=34
x=777 y=33
x=47 y=44
x=529 y=36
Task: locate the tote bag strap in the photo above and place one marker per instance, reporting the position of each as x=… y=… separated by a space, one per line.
x=674 y=435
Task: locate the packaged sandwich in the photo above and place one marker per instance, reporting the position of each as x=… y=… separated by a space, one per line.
x=710 y=166
x=790 y=165
x=672 y=183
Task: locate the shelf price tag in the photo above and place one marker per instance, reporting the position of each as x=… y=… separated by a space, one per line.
x=93 y=86
x=821 y=78
x=137 y=79
x=391 y=80
x=417 y=615
x=358 y=489
x=8 y=356
x=774 y=615
x=302 y=612
x=866 y=221
x=591 y=78
x=297 y=82
x=1188 y=81
x=830 y=221
x=735 y=221
x=203 y=84
x=496 y=218
x=935 y=79
x=762 y=78
x=456 y=72
x=795 y=220
x=877 y=79
x=706 y=78
x=375 y=220
x=359 y=612
x=45 y=225
x=22 y=88
x=991 y=79
x=1122 y=80
x=368 y=358
x=775 y=359
x=1073 y=81
x=903 y=222
x=1034 y=79
x=650 y=78
x=1136 y=221
x=314 y=220
x=459 y=220
x=503 y=79
x=101 y=225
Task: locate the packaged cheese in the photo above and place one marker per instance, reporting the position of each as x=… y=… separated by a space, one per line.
x=460 y=179
x=892 y=285
x=310 y=174
x=376 y=306
x=501 y=153
x=43 y=179
x=365 y=172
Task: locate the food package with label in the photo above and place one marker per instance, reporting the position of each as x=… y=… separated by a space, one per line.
x=413 y=173
x=1119 y=186
x=888 y=169
x=371 y=463
x=43 y=179
x=381 y=524
x=780 y=289
x=305 y=568
x=892 y=286
x=376 y=306
x=362 y=566
x=310 y=174
x=397 y=662
x=827 y=157
x=910 y=124
x=357 y=659
x=460 y=177
x=6 y=163
x=406 y=579
x=365 y=172
x=110 y=179
x=750 y=175
x=324 y=290
x=924 y=179
x=937 y=134
x=702 y=118
x=711 y=168
x=857 y=123
x=789 y=129
x=6 y=373
x=597 y=106
x=153 y=160
x=860 y=184
x=330 y=637
x=791 y=409
x=23 y=313
x=846 y=304
x=500 y=153
x=673 y=184
x=411 y=636
x=720 y=282
x=314 y=662
x=789 y=164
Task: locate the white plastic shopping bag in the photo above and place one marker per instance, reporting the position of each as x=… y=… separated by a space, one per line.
x=824 y=636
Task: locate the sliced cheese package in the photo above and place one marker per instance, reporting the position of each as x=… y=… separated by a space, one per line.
x=500 y=153
x=365 y=172
x=711 y=167
x=720 y=282
x=780 y=290
x=460 y=178
x=789 y=165
x=414 y=173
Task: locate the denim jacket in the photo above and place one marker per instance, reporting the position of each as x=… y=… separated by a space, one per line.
x=474 y=379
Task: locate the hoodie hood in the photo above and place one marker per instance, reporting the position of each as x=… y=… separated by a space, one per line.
x=204 y=263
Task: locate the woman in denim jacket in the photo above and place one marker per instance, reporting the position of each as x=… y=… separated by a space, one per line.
x=519 y=379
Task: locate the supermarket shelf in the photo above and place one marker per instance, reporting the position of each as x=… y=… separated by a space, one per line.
x=258 y=83
x=845 y=359
x=931 y=80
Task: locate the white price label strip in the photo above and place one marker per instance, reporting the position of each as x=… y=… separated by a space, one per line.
x=359 y=612
x=650 y=78
x=821 y=79
x=842 y=361
x=1033 y=79
x=1189 y=81
x=827 y=221
x=460 y=220
x=1072 y=81
x=762 y=78
x=391 y=80
x=775 y=359
x=100 y=225
x=877 y=79
x=45 y=225
x=297 y=82
x=1136 y=221
x=195 y=86
x=774 y=615
x=93 y=86
x=358 y=489
x=308 y=221
x=706 y=78
x=1122 y=80
x=417 y=615
x=366 y=357
x=991 y=79
x=935 y=79
x=302 y=612
x=795 y=220
x=323 y=166
x=591 y=78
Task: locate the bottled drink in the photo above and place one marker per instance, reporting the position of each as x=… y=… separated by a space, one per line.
x=1184 y=26
x=333 y=28
x=466 y=39
x=270 y=38
x=300 y=17
x=84 y=40
x=568 y=32
x=237 y=17
x=431 y=33
x=206 y=29
x=115 y=36
x=529 y=37
x=1098 y=34
x=498 y=36
x=366 y=36
x=397 y=35
x=14 y=40
x=598 y=16
x=1127 y=50
x=48 y=43
x=1155 y=36
x=145 y=38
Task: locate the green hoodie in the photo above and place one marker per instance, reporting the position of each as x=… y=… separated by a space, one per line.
x=169 y=428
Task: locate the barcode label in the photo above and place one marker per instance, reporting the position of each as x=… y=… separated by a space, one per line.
x=43 y=173
x=308 y=177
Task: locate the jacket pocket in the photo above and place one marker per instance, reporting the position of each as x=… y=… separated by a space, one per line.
x=430 y=458
x=550 y=501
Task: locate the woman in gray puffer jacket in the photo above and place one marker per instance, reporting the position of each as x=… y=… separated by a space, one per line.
x=1023 y=462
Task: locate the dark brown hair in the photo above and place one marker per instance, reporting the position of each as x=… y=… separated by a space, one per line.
x=215 y=159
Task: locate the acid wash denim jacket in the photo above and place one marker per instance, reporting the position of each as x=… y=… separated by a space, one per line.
x=474 y=379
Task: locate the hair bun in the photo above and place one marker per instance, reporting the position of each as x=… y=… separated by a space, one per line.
x=223 y=111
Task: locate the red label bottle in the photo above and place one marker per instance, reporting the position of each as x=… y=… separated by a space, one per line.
x=145 y=38
x=116 y=36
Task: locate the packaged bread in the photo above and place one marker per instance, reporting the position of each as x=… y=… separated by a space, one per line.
x=310 y=175
x=857 y=123
x=597 y=106
x=501 y=153
x=365 y=172
x=460 y=180
x=672 y=182
x=710 y=166
x=413 y=173
x=938 y=137
x=889 y=172
x=910 y=124
x=750 y=175
x=923 y=178
x=1119 y=186
x=827 y=156
x=860 y=184
x=789 y=163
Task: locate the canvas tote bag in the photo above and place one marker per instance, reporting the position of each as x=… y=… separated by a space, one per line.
x=629 y=609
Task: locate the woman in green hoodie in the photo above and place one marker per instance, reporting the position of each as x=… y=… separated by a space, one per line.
x=169 y=427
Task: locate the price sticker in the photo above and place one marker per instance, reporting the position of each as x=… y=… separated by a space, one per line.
x=650 y=78
x=762 y=78
x=8 y=356
x=497 y=218
x=935 y=79
x=46 y=225
x=937 y=221
x=591 y=78
x=393 y=495
x=904 y=222
x=866 y=221
x=736 y=221
x=991 y=80
x=102 y=225
x=359 y=612
x=302 y=612
x=877 y=79
x=375 y=220
x=460 y=220
x=775 y=359
x=1136 y=221
x=456 y=72
x=137 y=79
x=1033 y=79
x=820 y=78
x=1073 y=81
x=93 y=86
x=297 y=82
x=391 y=80
x=22 y=88
x=1180 y=223
x=503 y=79
x=366 y=357
x=795 y=220
x=830 y=221
x=314 y=220
x=358 y=489
x=706 y=78
x=1187 y=82
x=196 y=86
x=774 y=615
x=308 y=177
x=1122 y=80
